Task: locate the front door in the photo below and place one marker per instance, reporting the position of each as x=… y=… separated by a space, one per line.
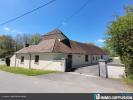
x=69 y=63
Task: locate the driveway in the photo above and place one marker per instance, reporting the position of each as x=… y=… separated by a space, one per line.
x=88 y=70
x=58 y=83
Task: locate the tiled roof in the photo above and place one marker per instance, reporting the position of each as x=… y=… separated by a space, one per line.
x=76 y=47
x=44 y=46
x=53 y=45
x=53 y=34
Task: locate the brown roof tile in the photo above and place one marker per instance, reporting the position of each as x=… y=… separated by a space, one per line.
x=44 y=46
x=53 y=45
x=76 y=47
x=53 y=34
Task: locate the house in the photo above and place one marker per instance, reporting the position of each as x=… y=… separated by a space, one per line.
x=57 y=52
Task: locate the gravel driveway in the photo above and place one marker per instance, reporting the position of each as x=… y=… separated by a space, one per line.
x=88 y=70
x=58 y=83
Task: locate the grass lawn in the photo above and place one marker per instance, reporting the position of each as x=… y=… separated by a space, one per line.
x=128 y=81
x=28 y=72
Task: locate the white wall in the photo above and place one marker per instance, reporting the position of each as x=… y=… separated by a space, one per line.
x=79 y=59
x=105 y=57
x=53 y=61
x=25 y=64
x=12 y=60
x=115 y=71
x=46 y=61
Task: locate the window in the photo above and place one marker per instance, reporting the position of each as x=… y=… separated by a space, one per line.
x=101 y=57
x=96 y=58
x=93 y=58
x=86 y=58
x=22 y=59
x=36 y=59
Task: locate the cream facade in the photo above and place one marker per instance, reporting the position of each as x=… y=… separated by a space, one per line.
x=116 y=71
x=46 y=61
x=78 y=60
x=52 y=61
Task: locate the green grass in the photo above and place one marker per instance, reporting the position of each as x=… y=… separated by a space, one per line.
x=128 y=81
x=28 y=72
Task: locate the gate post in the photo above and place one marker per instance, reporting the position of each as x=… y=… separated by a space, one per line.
x=63 y=63
x=103 y=71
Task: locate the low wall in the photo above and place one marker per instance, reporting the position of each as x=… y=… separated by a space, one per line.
x=115 y=71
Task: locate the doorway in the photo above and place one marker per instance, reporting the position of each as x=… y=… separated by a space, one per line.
x=69 y=63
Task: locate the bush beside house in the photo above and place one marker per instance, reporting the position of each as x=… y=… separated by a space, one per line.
x=119 y=38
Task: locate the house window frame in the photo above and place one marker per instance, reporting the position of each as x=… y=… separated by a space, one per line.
x=36 y=59
x=96 y=58
x=22 y=59
x=86 y=58
x=101 y=56
x=93 y=58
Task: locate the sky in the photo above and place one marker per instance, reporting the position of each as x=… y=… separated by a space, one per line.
x=89 y=25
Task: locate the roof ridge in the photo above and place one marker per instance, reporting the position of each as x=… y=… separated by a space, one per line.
x=54 y=44
x=55 y=32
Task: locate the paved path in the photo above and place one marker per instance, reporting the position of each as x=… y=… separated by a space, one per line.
x=89 y=70
x=58 y=83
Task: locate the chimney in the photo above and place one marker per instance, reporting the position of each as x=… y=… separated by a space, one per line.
x=26 y=45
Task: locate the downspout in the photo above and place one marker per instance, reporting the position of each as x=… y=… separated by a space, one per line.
x=30 y=61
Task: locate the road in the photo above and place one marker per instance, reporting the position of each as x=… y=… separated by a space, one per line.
x=58 y=83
